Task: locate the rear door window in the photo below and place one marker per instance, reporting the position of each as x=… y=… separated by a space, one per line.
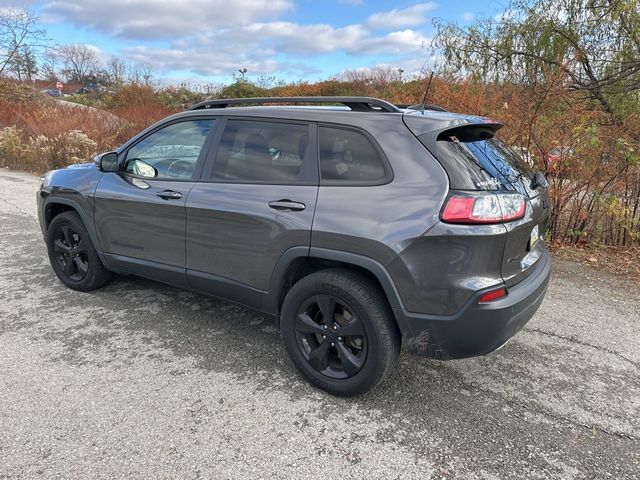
x=264 y=152
x=476 y=160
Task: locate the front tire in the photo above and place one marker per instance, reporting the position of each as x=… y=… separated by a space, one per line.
x=339 y=332
x=72 y=255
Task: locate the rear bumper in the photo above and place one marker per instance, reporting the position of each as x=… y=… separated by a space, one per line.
x=477 y=329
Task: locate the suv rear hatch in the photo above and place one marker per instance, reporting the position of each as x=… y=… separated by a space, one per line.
x=479 y=165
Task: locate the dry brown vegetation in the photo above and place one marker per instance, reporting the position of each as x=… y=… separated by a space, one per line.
x=595 y=189
x=38 y=133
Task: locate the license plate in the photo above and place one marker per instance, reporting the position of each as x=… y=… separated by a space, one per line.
x=533 y=239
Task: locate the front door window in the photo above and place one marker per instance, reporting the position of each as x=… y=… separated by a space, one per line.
x=170 y=153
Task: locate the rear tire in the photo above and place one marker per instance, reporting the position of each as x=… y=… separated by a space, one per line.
x=72 y=255
x=339 y=332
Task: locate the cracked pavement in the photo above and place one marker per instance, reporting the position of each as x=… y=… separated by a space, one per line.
x=142 y=380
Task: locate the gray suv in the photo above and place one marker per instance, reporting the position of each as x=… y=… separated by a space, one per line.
x=360 y=225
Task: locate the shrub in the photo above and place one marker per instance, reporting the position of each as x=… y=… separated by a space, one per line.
x=40 y=153
x=19 y=92
x=61 y=150
x=180 y=97
x=11 y=147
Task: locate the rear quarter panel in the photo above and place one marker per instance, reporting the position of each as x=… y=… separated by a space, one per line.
x=383 y=222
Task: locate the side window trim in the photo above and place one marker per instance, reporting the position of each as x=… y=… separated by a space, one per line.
x=310 y=169
x=355 y=183
x=207 y=170
x=206 y=147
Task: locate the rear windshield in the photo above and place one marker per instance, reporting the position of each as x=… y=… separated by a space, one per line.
x=475 y=160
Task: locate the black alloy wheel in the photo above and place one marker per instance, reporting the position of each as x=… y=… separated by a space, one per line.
x=71 y=253
x=331 y=337
x=339 y=331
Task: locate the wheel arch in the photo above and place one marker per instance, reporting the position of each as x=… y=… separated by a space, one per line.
x=53 y=209
x=298 y=262
x=54 y=206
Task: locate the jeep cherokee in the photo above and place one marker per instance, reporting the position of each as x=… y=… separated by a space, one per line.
x=360 y=226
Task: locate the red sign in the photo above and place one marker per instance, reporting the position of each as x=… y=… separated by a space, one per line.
x=59 y=85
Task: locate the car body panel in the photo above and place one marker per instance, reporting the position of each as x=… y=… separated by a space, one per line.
x=223 y=239
x=135 y=222
x=520 y=254
x=448 y=265
x=512 y=241
x=395 y=215
x=233 y=233
x=477 y=328
x=74 y=187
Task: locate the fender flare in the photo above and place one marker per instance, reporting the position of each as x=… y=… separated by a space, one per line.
x=271 y=299
x=88 y=224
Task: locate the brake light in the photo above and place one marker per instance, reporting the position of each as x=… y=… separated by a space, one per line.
x=493 y=295
x=488 y=208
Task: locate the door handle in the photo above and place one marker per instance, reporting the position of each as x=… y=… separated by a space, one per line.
x=169 y=195
x=287 y=206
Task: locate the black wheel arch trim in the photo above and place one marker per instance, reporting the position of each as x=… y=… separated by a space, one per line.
x=88 y=223
x=272 y=297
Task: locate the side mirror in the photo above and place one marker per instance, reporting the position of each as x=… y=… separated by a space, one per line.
x=141 y=168
x=107 y=162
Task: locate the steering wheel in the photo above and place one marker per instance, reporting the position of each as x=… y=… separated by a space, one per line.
x=179 y=168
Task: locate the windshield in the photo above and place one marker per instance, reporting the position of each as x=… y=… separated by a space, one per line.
x=479 y=161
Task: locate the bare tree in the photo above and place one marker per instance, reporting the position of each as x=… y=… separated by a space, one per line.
x=140 y=73
x=80 y=62
x=23 y=64
x=49 y=66
x=19 y=33
x=146 y=72
x=116 y=71
x=594 y=44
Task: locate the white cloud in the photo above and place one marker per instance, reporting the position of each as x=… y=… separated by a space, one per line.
x=256 y=46
x=201 y=62
x=158 y=19
x=14 y=5
x=468 y=16
x=12 y=11
x=216 y=37
x=204 y=64
x=401 y=42
x=313 y=39
x=413 y=68
x=400 y=18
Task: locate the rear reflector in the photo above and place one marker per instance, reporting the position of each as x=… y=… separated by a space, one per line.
x=485 y=208
x=493 y=295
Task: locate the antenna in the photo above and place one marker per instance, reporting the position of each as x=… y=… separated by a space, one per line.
x=424 y=97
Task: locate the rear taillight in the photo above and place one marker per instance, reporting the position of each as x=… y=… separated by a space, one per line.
x=485 y=208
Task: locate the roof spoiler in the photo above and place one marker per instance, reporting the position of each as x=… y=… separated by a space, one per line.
x=429 y=130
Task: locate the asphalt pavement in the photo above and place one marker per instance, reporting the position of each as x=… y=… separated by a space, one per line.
x=142 y=380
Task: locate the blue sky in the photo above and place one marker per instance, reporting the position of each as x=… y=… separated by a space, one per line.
x=208 y=40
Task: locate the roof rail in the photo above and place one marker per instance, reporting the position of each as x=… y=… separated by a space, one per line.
x=357 y=104
x=419 y=106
